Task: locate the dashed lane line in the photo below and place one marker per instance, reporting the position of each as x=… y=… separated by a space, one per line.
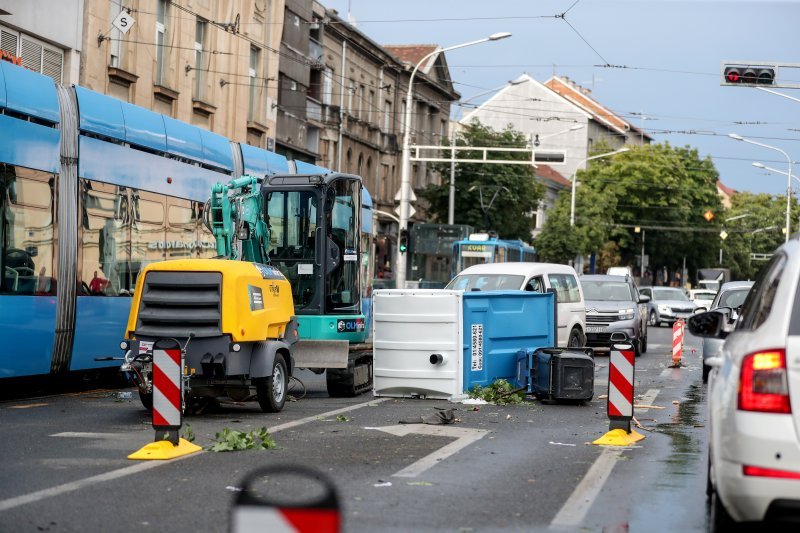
x=72 y=486
x=574 y=510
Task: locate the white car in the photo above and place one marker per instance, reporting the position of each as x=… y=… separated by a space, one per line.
x=702 y=297
x=537 y=277
x=754 y=399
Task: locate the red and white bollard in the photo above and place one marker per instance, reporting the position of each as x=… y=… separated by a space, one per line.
x=269 y=507
x=677 y=341
x=621 y=372
x=167 y=393
x=620 y=386
x=167 y=404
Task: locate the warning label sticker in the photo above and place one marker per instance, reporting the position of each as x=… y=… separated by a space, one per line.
x=145 y=347
x=477 y=347
x=256 y=298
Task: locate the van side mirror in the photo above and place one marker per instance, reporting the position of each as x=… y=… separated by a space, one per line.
x=643 y=298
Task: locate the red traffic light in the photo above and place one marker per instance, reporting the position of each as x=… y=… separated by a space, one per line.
x=748 y=75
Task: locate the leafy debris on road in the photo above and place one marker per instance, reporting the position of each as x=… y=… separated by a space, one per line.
x=231 y=440
x=188 y=433
x=499 y=393
x=420 y=483
x=342 y=418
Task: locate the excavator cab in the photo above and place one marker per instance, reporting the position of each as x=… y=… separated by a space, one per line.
x=314 y=223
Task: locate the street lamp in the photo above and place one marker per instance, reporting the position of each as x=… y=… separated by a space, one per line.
x=451 y=202
x=537 y=140
x=758 y=164
x=405 y=177
x=788 y=176
x=575 y=184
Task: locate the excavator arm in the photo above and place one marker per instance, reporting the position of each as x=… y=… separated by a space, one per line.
x=236 y=211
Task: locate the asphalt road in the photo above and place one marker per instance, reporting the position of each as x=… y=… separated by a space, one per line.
x=528 y=467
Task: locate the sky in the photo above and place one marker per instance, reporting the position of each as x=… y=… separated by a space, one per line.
x=666 y=57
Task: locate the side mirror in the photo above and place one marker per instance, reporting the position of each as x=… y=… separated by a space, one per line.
x=708 y=324
x=700 y=310
x=643 y=298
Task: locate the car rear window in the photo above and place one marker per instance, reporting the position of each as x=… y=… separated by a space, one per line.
x=607 y=291
x=486 y=282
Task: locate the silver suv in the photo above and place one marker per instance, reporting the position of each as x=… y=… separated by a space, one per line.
x=613 y=303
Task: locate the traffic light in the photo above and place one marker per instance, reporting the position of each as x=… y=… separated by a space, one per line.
x=402 y=245
x=740 y=74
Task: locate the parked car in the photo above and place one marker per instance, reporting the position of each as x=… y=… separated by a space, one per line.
x=620 y=271
x=667 y=304
x=702 y=297
x=537 y=277
x=613 y=303
x=754 y=399
x=730 y=297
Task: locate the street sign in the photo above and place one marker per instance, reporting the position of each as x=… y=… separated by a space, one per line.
x=411 y=196
x=723 y=235
x=123 y=22
x=411 y=211
x=708 y=215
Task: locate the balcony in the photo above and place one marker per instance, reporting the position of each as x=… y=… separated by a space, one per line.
x=315 y=50
x=313 y=110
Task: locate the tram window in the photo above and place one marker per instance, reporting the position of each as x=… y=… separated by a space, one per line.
x=181 y=240
x=148 y=232
x=27 y=231
x=207 y=244
x=104 y=239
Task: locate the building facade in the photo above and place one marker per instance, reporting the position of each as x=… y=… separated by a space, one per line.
x=212 y=64
x=50 y=44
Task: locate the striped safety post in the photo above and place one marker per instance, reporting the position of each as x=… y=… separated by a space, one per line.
x=288 y=508
x=677 y=341
x=620 y=386
x=167 y=390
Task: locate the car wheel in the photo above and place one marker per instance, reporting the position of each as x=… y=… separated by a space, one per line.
x=637 y=348
x=653 y=319
x=706 y=372
x=575 y=339
x=644 y=343
x=719 y=518
x=147 y=400
x=271 y=391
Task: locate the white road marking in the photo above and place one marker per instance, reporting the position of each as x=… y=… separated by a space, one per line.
x=89 y=435
x=295 y=423
x=576 y=507
x=145 y=465
x=648 y=399
x=464 y=437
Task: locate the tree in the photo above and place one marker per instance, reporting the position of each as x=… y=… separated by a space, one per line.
x=512 y=214
x=659 y=188
x=754 y=224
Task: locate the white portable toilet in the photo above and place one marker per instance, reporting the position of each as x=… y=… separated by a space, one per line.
x=416 y=343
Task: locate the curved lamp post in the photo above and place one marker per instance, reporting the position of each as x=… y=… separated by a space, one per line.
x=575 y=184
x=760 y=165
x=788 y=176
x=405 y=177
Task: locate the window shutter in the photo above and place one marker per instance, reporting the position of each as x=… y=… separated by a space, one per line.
x=8 y=42
x=31 y=55
x=52 y=64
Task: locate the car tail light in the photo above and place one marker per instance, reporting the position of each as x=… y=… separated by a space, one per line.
x=763 y=385
x=748 y=470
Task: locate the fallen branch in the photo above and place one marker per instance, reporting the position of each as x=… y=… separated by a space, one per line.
x=642 y=406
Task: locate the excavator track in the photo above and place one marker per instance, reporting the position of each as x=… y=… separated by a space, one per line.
x=356 y=378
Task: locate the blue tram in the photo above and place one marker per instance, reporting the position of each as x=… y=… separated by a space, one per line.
x=93 y=189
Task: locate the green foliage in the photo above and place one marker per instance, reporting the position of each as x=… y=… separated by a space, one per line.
x=342 y=418
x=659 y=187
x=512 y=212
x=754 y=224
x=188 y=433
x=230 y=440
x=500 y=392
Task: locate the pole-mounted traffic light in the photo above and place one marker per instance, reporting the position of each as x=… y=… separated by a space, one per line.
x=402 y=245
x=742 y=74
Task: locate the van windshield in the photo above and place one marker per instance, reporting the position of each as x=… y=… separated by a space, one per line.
x=486 y=282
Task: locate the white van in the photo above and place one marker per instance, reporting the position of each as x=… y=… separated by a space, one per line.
x=538 y=277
